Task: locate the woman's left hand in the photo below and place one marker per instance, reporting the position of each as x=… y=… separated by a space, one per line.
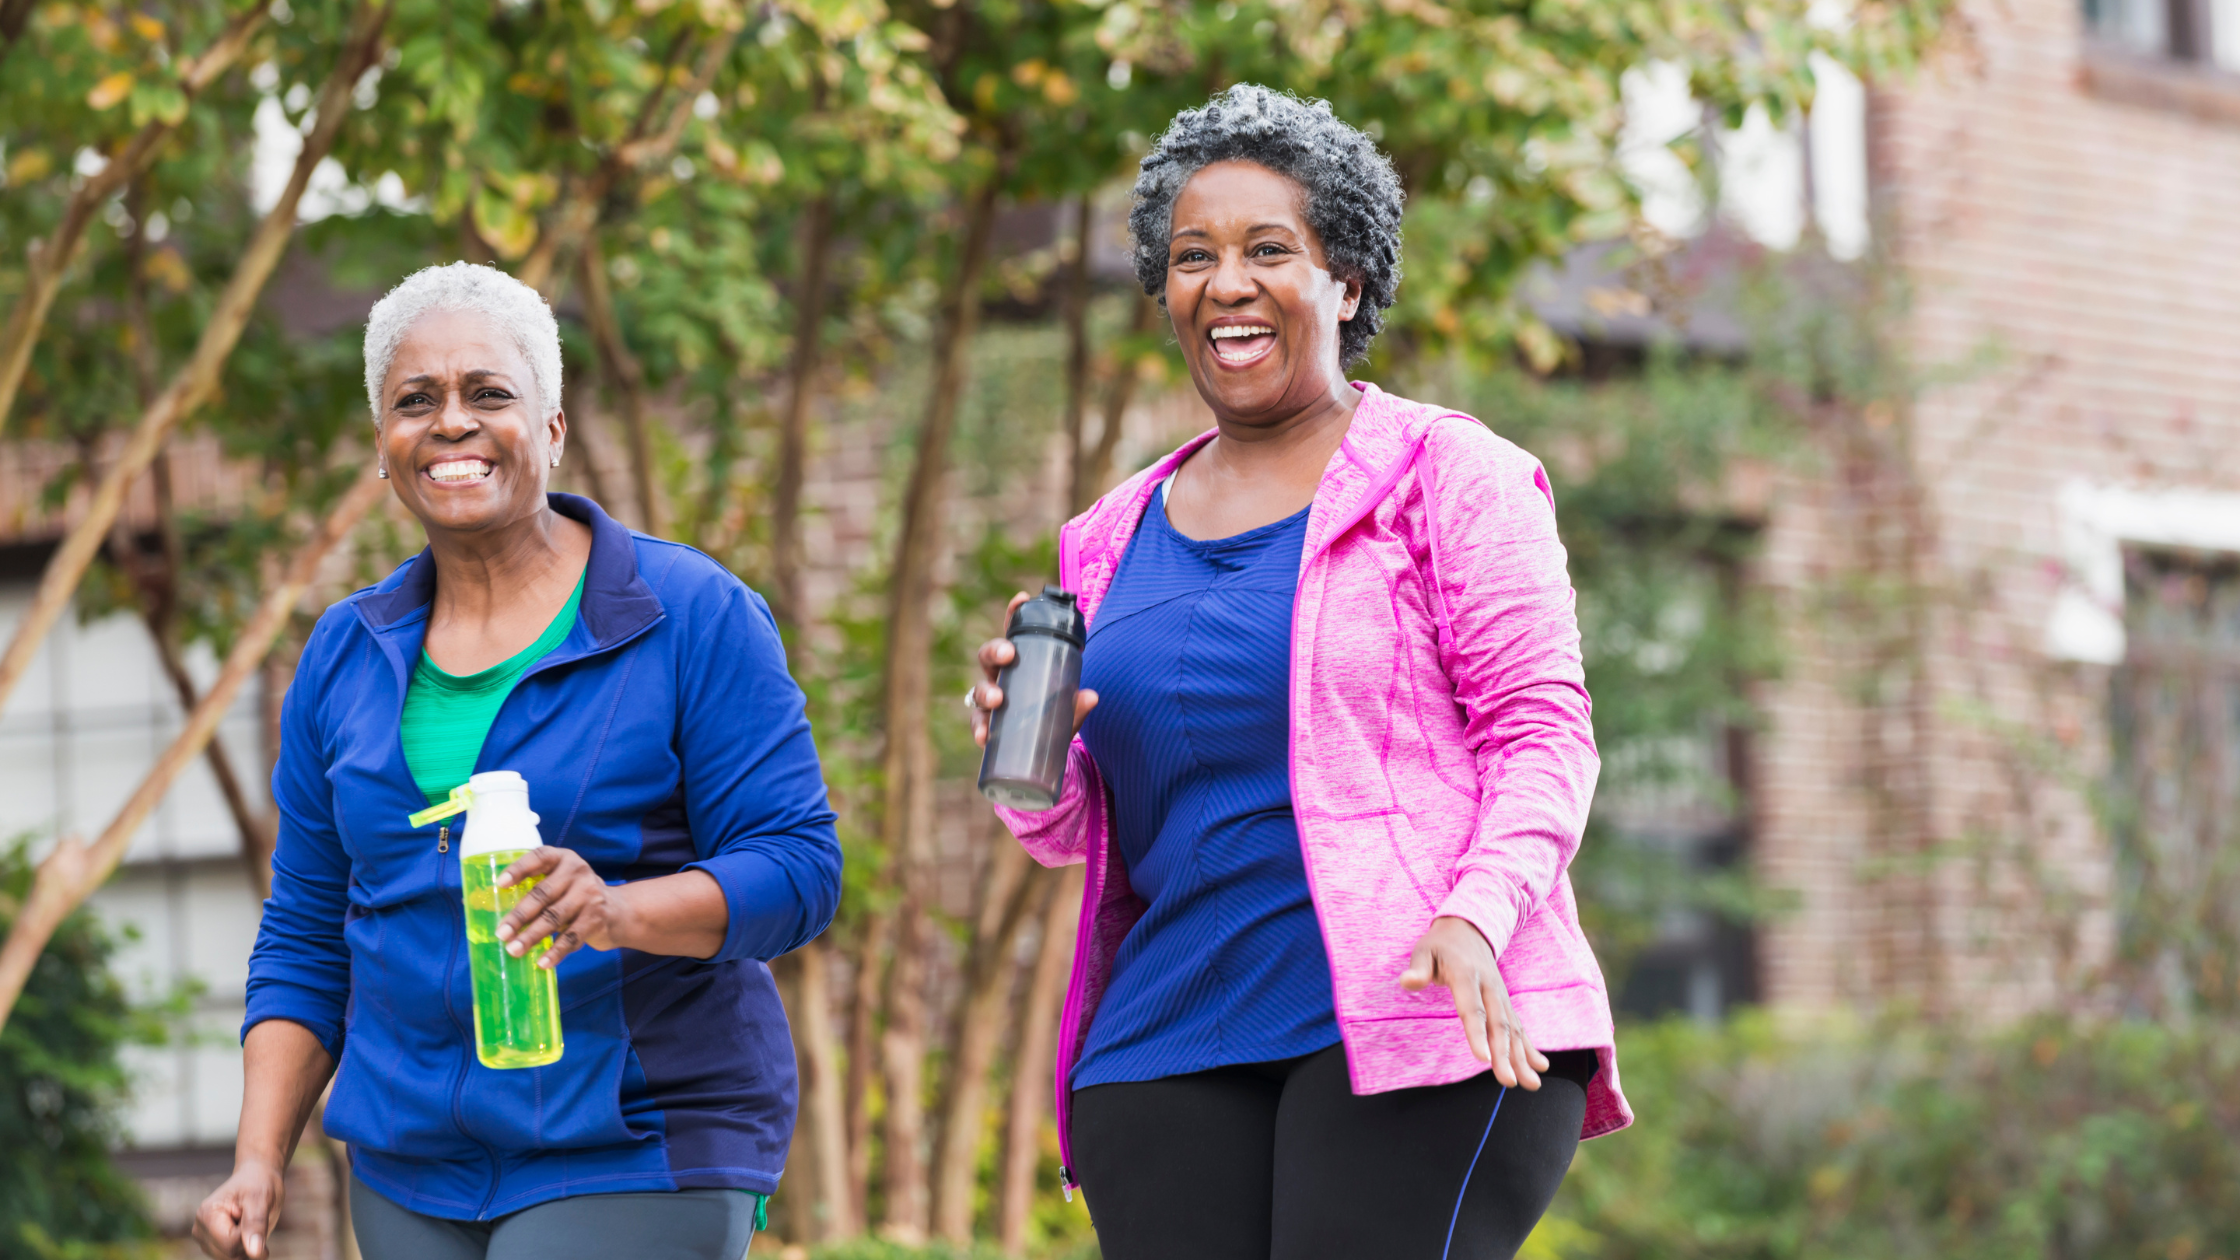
x=1454 y=954
x=570 y=904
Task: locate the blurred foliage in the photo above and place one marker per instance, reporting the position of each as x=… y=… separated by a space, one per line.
x=61 y=1084
x=2057 y=1139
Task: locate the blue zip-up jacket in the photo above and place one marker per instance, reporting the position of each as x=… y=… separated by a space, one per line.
x=663 y=734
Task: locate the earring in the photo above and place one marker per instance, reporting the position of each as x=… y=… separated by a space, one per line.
x=555 y=460
x=381 y=472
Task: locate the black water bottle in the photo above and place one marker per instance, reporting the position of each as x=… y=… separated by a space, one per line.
x=1029 y=734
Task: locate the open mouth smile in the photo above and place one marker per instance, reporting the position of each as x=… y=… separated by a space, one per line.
x=459 y=472
x=1238 y=345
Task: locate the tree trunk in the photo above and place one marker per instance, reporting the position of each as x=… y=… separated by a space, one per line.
x=159 y=593
x=198 y=379
x=824 y=1112
x=626 y=377
x=1031 y=1069
x=1011 y=885
x=863 y=1028
x=793 y=426
x=906 y=824
x=902 y=1057
x=590 y=455
x=50 y=259
x=73 y=870
x=1092 y=473
x=14 y=16
x=835 y=1214
x=1076 y=319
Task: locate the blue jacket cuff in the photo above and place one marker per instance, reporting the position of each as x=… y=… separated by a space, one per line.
x=297 y=1008
x=764 y=905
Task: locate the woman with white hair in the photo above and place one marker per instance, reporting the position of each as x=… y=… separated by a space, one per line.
x=642 y=692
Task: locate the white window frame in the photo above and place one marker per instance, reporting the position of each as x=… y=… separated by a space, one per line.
x=2086 y=621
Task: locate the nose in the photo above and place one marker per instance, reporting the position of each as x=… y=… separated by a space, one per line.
x=456 y=420
x=1232 y=282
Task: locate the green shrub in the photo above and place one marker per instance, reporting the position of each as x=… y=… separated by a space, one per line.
x=60 y=1087
x=2055 y=1139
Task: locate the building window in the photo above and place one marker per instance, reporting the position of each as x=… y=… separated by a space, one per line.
x=2176 y=797
x=2197 y=32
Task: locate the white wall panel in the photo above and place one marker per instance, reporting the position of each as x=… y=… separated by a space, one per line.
x=75 y=740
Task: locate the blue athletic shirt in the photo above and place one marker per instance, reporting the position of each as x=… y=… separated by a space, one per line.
x=1190 y=658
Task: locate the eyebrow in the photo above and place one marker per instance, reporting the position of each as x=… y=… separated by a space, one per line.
x=1257 y=227
x=472 y=374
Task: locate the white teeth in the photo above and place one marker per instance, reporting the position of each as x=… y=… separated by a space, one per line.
x=1242 y=330
x=459 y=470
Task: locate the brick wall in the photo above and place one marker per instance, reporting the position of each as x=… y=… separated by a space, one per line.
x=2081 y=257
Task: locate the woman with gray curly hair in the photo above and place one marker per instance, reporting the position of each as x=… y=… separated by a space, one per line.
x=641 y=693
x=1330 y=996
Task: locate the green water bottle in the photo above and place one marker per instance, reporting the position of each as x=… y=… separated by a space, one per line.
x=516 y=1002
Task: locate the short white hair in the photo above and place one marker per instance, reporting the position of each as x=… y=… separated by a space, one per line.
x=464 y=286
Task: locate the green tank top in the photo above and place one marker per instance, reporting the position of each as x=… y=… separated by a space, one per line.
x=447 y=716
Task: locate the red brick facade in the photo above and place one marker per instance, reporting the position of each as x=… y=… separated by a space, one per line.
x=2075 y=243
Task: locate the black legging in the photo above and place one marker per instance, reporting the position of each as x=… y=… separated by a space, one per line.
x=1281 y=1161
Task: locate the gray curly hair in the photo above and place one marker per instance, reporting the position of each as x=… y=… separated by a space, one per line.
x=1354 y=197
x=464 y=286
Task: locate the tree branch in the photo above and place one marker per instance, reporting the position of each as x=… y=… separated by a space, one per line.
x=49 y=259
x=198 y=379
x=627 y=376
x=793 y=425
x=579 y=213
x=71 y=873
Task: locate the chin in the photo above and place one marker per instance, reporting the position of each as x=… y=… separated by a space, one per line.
x=461 y=517
x=1245 y=394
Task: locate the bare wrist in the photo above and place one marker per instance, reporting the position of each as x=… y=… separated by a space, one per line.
x=625 y=917
x=260 y=1160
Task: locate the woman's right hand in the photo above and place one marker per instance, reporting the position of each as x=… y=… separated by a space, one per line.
x=986 y=697
x=236 y=1221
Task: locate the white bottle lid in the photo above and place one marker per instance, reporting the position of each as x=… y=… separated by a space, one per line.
x=499 y=820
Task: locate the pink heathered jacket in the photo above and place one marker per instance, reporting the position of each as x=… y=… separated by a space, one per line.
x=1442 y=755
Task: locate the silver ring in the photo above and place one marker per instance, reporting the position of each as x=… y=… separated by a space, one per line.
x=972 y=697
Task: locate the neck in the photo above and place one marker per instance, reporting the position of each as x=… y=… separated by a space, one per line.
x=1246 y=446
x=476 y=572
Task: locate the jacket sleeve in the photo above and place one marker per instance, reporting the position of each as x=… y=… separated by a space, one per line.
x=1059 y=835
x=754 y=793
x=1513 y=653
x=300 y=968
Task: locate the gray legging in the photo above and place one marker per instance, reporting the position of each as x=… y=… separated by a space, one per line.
x=678 y=1225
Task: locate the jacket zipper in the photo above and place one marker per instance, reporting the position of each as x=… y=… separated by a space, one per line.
x=1377 y=494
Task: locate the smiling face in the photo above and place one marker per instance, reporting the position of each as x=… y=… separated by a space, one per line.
x=463 y=434
x=1253 y=300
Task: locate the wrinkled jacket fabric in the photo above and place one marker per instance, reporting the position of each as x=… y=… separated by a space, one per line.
x=663 y=734
x=1442 y=753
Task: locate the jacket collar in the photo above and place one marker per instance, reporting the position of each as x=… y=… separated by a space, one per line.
x=1377 y=448
x=616 y=604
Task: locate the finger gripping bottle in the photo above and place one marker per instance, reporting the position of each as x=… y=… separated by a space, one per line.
x=516 y=1002
x=1029 y=734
